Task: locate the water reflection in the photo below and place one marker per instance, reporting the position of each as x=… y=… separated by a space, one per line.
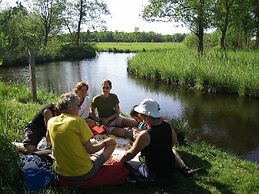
x=229 y=122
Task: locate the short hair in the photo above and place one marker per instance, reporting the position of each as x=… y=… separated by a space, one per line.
x=79 y=85
x=107 y=81
x=133 y=113
x=67 y=100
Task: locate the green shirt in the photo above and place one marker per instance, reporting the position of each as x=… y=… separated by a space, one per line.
x=105 y=105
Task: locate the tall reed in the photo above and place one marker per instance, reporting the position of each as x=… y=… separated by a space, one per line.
x=228 y=72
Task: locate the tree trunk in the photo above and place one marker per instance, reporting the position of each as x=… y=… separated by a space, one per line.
x=79 y=23
x=222 y=39
x=200 y=40
x=46 y=34
x=45 y=39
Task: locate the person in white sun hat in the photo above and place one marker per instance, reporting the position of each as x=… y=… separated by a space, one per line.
x=155 y=144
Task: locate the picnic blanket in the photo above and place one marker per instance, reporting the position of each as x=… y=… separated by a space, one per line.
x=111 y=173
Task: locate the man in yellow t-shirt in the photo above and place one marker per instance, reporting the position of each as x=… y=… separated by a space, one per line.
x=76 y=158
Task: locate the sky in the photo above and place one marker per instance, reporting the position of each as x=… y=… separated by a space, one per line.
x=125 y=16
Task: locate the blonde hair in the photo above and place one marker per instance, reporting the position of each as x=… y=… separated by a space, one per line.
x=79 y=85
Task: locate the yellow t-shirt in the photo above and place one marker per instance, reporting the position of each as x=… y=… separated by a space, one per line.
x=67 y=134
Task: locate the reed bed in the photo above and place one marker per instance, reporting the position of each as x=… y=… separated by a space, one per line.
x=227 y=72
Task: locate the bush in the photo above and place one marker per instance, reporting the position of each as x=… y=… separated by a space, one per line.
x=72 y=51
x=191 y=41
x=211 y=40
x=19 y=59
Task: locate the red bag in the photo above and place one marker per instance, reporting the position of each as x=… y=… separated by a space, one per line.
x=111 y=173
x=98 y=130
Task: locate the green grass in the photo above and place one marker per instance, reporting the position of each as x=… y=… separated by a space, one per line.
x=225 y=174
x=135 y=46
x=16 y=109
x=226 y=72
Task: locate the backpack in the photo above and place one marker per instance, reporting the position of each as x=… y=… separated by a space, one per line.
x=36 y=174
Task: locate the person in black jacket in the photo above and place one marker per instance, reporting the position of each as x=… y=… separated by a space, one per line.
x=36 y=129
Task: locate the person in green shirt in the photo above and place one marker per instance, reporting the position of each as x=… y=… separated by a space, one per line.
x=107 y=106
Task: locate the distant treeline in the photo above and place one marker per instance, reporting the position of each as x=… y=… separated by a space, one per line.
x=108 y=36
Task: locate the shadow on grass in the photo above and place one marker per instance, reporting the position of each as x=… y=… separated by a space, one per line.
x=194 y=161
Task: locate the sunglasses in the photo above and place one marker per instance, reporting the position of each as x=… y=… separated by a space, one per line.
x=106 y=88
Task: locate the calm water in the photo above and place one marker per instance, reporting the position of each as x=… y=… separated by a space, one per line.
x=229 y=122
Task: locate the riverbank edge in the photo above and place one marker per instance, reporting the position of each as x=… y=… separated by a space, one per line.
x=193 y=82
x=70 y=52
x=224 y=173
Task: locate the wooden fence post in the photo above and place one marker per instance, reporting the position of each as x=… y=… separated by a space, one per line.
x=32 y=74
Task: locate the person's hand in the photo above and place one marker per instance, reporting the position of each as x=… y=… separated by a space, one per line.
x=135 y=133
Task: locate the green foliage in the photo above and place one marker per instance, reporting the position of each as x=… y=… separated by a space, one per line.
x=107 y=36
x=50 y=17
x=181 y=128
x=16 y=110
x=134 y=47
x=21 y=94
x=85 y=13
x=72 y=51
x=211 y=40
x=227 y=72
x=191 y=41
x=197 y=15
x=10 y=174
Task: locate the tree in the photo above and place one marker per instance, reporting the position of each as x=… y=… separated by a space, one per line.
x=136 y=33
x=7 y=14
x=84 y=12
x=223 y=15
x=196 y=14
x=242 y=26
x=12 y=35
x=50 y=12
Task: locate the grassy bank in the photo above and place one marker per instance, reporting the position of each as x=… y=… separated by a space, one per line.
x=16 y=109
x=224 y=72
x=225 y=174
x=133 y=46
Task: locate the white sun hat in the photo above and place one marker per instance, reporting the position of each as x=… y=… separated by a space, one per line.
x=148 y=107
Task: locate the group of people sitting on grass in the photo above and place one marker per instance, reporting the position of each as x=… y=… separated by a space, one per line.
x=66 y=126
